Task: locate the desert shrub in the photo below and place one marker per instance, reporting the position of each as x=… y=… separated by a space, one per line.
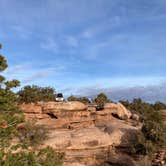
x=154 y=132
x=100 y=100
x=84 y=100
x=145 y=110
x=150 y=139
x=35 y=93
x=45 y=157
x=32 y=134
x=141 y=146
x=48 y=157
x=159 y=106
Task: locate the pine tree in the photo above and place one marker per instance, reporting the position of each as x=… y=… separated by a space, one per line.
x=10 y=115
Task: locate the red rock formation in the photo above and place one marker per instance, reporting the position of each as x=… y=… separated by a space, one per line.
x=85 y=135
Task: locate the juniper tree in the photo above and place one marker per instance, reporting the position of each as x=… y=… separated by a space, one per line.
x=10 y=117
x=8 y=108
x=100 y=100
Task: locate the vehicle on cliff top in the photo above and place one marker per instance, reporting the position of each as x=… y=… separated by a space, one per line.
x=59 y=97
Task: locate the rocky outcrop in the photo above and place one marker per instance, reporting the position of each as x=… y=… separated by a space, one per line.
x=45 y=110
x=33 y=111
x=33 y=108
x=63 y=106
x=91 y=146
x=88 y=137
x=118 y=110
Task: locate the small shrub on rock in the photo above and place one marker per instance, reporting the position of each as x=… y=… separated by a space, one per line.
x=84 y=100
x=154 y=132
x=100 y=100
x=32 y=134
x=141 y=146
x=45 y=157
x=48 y=157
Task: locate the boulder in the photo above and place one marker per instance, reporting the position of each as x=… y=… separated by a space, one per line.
x=50 y=107
x=135 y=117
x=118 y=110
x=120 y=160
x=112 y=106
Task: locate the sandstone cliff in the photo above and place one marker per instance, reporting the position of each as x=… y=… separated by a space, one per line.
x=88 y=137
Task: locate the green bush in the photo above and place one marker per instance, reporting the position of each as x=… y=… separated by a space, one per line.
x=35 y=93
x=159 y=106
x=142 y=146
x=32 y=134
x=154 y=132
x=100 y=100
x=45 y=157
x=84 y=100
x=48 y=157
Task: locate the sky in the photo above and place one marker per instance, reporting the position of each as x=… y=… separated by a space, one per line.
x=83 y=47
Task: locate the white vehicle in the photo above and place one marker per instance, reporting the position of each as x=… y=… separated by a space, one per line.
x=59 y=97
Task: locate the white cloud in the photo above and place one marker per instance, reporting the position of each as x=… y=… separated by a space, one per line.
x=149 y=93
x=42 y=73
x=102 y=27
x=37 y=76
x=12 y=70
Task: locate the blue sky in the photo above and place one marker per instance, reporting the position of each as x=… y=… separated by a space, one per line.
x=96 y=45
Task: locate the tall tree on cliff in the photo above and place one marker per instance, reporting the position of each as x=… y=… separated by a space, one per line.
x=10 y=117
x=8 y=108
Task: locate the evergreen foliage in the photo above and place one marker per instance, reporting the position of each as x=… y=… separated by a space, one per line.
x=45 y=157
x=32 y=134
x=100 y=100
x=153 y=132
x=10 y=117
x=84 y=100
x=35 y=93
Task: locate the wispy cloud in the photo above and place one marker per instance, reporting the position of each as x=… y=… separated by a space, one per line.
x=72 y=41
x=21 y=31
x=50 y=45
x=37 y=76
x=102 y=27
x=16 y=69
x=43 y=73
x=28 y=73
